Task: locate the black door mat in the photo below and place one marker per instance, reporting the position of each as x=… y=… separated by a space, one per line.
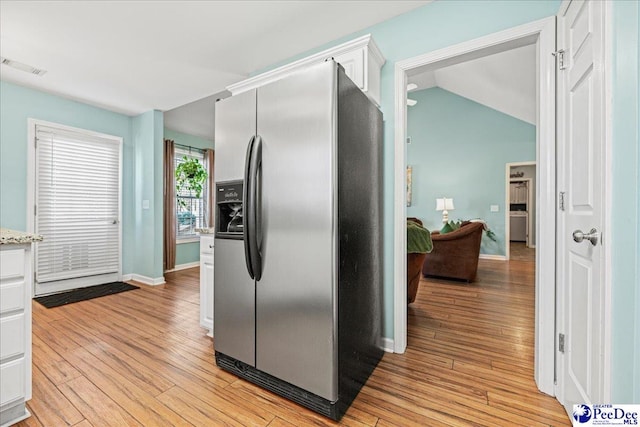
x=83 y=294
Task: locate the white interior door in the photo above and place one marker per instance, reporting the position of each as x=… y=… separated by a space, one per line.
x=580 y=254
x=77 y=209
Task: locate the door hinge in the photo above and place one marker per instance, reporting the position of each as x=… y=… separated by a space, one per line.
x=559 y=54
x=35 y=142
x=561 y=343
x=561 y=200
x=35 y=210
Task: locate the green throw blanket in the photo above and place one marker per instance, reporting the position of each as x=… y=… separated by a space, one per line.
x=418 y=239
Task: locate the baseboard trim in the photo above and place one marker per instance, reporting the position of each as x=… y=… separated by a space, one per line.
x=144 y=279
x=127 y=277
x=493 y=257
x=184 y=266
x=387 y=344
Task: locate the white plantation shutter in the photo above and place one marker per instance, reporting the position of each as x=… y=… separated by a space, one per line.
x=77 y=204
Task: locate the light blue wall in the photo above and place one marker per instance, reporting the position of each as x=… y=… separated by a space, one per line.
x=433 y=26
x=141 y=167
x=459 y=149
x=188 y=252
x=17 y=104
x=147 y=133
x=625 y=238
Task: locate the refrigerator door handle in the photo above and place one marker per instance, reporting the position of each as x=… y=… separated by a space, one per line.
x=253 y=219
x=247 y=208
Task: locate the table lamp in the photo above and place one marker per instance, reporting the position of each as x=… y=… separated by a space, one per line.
x=444 y=205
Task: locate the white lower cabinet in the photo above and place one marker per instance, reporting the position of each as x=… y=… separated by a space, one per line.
x=206 y=283
x=15 y=332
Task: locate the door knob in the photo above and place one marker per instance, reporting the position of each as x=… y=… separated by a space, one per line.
x=579 y=236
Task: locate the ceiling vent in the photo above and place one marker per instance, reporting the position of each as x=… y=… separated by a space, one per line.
x=23 y=67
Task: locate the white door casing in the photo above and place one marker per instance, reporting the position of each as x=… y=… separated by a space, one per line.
x=582 y=157
x=541 y=32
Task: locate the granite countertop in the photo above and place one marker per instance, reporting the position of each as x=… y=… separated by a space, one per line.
x=12 y=237
x=205 y=230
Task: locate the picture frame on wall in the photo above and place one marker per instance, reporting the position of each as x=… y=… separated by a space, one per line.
x=409 y=184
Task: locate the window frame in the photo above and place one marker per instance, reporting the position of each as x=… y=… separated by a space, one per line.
x=199 y=154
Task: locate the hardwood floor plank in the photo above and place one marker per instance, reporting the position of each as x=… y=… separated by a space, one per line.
x=42 y=314
x=138 y=358
x=52 y=365
x=514 y=382
x=201 y=413
x=278 y=422
x=535 y=406
x=211 y=391
x=140 y=404
x=49 y=405
x=32 y=421
x=290 y=411
x=139 y=374
x=432 y=406
x=402 y=412
x=95 y=405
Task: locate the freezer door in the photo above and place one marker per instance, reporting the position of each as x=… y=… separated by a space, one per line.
x=235 y=125
x=234 y=292
x=233 y=302
x=296 y=297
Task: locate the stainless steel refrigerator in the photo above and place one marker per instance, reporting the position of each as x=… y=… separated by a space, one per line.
x=298 y=265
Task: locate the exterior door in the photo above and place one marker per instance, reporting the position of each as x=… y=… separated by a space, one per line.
x=296 y=307
x=582 y=155
x=77 y=208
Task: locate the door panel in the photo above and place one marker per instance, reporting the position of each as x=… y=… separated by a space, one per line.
x=581 y=113
x=296 y=296
x=233 y=302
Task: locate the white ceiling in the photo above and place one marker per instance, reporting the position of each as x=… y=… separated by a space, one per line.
x=504 y=81
x=131 y=57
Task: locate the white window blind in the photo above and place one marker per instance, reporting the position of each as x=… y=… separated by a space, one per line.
x=77 y=204
x=190 y=210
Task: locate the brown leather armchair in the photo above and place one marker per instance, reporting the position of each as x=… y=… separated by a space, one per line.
x=414 y=264
x=455 y=254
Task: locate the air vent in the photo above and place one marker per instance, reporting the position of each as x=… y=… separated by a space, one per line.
x=23 y=67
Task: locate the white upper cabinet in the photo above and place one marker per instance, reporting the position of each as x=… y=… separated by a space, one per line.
x=361 y=59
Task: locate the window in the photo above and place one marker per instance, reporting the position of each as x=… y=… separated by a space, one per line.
x=190 y=210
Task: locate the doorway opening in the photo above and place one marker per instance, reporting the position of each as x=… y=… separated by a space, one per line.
x=521 y=212
x=542 y=34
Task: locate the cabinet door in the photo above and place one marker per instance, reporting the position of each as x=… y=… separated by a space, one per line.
x=354 y=66
x=12 y=381
x=206 y=292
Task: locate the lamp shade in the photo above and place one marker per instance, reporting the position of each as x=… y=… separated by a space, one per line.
x=444 y=204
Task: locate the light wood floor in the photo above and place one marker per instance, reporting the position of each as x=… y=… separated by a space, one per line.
x=140 y=358
x=518 y=251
